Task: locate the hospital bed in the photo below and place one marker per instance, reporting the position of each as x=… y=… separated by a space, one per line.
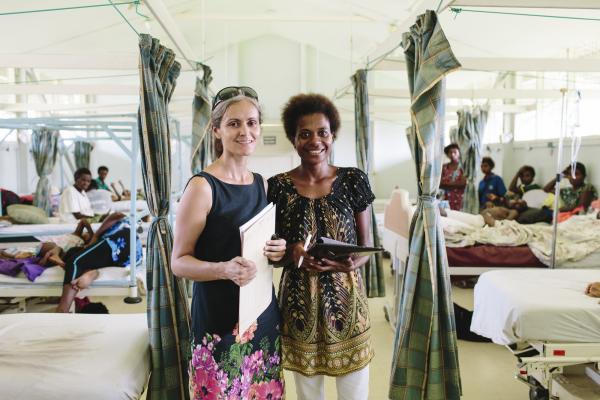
x=73 y=356
x=463 y=261
x=113 y=281
x=552 y=327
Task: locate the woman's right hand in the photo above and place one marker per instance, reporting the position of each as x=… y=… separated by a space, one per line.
x=240 y=270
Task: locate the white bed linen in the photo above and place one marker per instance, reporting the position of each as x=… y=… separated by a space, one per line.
x=73 y=356
x=17 y=230
x=532 y=304
x=125 y=205
x=57 y=274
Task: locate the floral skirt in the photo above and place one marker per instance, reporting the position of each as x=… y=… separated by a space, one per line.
x=236 y=367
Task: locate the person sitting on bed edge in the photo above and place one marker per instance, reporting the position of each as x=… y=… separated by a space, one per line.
x=108 y=247
x=74 y=203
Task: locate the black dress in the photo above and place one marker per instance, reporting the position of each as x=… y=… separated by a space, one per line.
x=226 y=364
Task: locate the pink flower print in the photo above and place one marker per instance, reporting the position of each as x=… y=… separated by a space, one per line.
x=253 y=392
x=246 y=336
x=272 y=390
x=253 y=363
x=274 y=360
x=206 y=385
x=202 y=358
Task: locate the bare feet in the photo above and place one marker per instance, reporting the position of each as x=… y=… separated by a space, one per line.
x=489 y=220
x=85 y=280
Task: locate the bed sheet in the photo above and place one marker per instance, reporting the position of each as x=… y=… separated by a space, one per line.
x=125 y=205
x=73 y=356
x=536 y=304
x=17 y=230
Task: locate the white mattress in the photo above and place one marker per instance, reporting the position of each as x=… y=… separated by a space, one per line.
x=125 y=205
x=536 y=304
x=73 y=356
x=55 y=275
x=17 y=230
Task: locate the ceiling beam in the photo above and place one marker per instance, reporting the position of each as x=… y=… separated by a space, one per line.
x=62 y=89
x=508 y=64
x=177 y=103
x=161 y=13
x=485 y=93
x=566 y=4
x=69 y=61
x=395 y=39
x=276 y=17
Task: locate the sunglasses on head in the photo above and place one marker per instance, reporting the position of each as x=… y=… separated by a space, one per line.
x=233 y=91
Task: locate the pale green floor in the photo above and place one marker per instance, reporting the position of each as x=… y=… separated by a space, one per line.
x=487 y=370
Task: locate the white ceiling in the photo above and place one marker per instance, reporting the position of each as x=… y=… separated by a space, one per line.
x=349 y=30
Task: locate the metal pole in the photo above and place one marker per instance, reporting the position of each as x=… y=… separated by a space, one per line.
x=133 y=298
x=563 y=130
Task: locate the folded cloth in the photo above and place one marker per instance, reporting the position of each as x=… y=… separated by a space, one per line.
x=29 y=266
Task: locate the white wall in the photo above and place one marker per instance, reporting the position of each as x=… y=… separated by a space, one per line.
x=393 y=162
x=542 y=155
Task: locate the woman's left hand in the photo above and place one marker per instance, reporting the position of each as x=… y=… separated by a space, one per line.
x=342 y=265
x=274 y=250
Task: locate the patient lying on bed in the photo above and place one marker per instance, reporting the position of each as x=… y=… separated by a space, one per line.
x=109 y=246
x=593 y=289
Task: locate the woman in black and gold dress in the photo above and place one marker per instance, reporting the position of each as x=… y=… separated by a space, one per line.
x=325 y=316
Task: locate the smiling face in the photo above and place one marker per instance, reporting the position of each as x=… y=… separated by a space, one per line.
x=314 y=138
x=239 y=129
x=83 y=182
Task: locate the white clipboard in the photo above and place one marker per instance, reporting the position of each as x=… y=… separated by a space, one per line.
x=256 y=295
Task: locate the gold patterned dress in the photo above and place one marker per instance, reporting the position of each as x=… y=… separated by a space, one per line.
x=325 y=316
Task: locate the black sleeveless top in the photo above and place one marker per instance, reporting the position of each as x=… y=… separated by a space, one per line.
x=215 y=304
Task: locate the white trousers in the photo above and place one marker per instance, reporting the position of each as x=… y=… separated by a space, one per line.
x=352 y=386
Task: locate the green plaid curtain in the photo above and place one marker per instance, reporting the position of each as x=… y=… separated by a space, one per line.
x=425 y=359
x=202 y=148
x=373 y=270
x=82 y=152
x=44 y=148
x=469 y=137
x=168 y=312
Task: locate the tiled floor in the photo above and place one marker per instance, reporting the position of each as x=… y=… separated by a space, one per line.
x=486 y=369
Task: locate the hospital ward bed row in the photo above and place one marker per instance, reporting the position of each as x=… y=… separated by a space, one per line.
x=542 y=315
x=470 y=260
x=112 y=281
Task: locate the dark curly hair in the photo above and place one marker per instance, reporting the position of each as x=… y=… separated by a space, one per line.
x=488 y=161
x=528 y=168
x=450 y=147
x=82 y=171
x=305 y=104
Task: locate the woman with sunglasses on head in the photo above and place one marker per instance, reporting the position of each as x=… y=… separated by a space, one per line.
x=216 y=202
x=325 y=315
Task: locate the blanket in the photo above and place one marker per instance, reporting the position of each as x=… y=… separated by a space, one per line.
x=577 y=237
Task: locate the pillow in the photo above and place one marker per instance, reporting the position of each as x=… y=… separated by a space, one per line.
x=24 y=214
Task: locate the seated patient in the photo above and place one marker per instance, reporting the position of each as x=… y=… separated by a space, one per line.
x=108 y=247
x=593 y=289
x=579 y=193
x=74 y=203
x=526 y=175
x=491 y=187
